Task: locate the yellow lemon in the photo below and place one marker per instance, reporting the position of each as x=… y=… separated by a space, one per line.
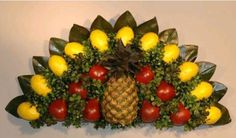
x=188 y=70
x=58 y=65
x=171 y=53
x=27 y=111
x=73 y=48
x=214 y=115
x=149 y=41
x=39 y=85
x=99 y=40
x=126 y=34
x=203 y=90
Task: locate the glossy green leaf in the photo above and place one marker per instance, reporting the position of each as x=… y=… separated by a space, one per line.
x=225 y=118
x=101 y=24
x=206 y=69
x=189 y=52
x=219 y=90
x=25 y=85
x=126 y=19
x=39 y=64
x=13 y=104
x=78 y=34
x=148 y=26
x=169 y=36
x=56 y=46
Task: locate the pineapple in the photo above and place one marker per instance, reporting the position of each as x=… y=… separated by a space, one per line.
x=120 y=100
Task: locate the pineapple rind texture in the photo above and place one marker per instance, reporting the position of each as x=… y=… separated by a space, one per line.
x=120 y=101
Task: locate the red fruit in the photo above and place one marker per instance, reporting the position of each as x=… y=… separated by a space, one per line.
x=98 y=72
x=165 y=91
x=145 y=75
x=75 y=88
x=92 y=110
x=181 y=117
x=58 y=109
x=149 y=113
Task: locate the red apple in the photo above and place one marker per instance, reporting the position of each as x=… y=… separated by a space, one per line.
x=182 y=116
x=149 y=113
x=145 y=75
x=98 y=72
x=58 y=109
x=75 y=88
x=165 y=91
x=92 y=110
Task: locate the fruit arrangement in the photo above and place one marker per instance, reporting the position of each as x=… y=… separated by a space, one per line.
x=120 y=76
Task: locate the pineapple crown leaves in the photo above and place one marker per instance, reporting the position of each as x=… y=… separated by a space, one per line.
x=123 y=60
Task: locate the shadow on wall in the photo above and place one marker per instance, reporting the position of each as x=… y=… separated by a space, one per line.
x=24 y=127
x=147 y=130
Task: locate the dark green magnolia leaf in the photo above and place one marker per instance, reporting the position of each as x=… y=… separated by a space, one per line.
x=39 y=64
x=225 y=118
x=169 y=36
x=219 y=90
x=126 y=19
x=206 y=69
x=101 y=24
x=148 y=26
x=13 y=104
x=78 y=34
x=189 y=52
x=56 y=46
x=25 y=85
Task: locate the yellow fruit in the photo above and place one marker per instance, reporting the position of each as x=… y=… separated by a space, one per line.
x=39 y=85
x=73 y=48
x=188 y=70
x=203 y=90
x=126 y=34
x=149 y=41
x=214 y=115
x=27 y=111
x=58 y=65
x=99 y=40
x=171 y=53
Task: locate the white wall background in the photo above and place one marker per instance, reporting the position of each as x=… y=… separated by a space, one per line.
x=25 y=29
